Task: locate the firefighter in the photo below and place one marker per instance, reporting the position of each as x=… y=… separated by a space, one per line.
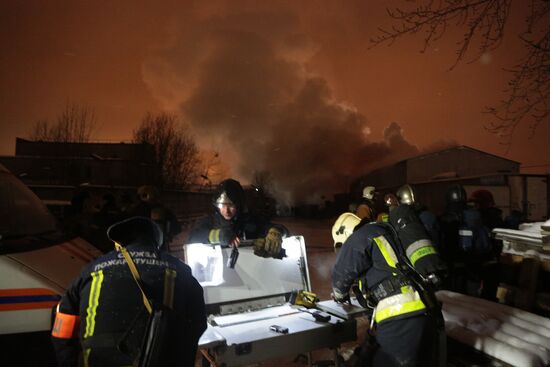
x=229 y=223
x=365 y=209
x=491 y=216
x=406 y=196
x=466 y=244
x=149 y=197
x=102 y=317
x=409 y=328
x=151 y=206
x=391 y=202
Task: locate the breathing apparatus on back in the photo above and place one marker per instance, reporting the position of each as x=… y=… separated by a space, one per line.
x=416 y=243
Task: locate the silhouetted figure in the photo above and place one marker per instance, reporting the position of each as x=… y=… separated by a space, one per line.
x=150 y=206
x=465 y=243
x=491 y=217
x=77 y=219
x=109 y=212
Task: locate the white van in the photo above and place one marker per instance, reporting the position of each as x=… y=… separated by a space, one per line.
x=37 y=263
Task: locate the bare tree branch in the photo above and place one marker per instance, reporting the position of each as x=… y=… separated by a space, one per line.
x=210 y=169
x=528 y=92
x=75 y=124
x=485 y=21
x=486 y=17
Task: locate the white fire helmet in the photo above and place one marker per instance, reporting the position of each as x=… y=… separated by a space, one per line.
x=368 y=192
x=343 y=228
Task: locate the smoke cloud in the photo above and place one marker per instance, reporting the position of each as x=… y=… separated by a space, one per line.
x=241 y=79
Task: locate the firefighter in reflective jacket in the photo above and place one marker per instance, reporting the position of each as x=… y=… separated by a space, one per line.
x=230 y=223
x=406 y=329
x=101 y=319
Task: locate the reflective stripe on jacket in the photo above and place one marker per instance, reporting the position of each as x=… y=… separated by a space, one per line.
x=368 y=254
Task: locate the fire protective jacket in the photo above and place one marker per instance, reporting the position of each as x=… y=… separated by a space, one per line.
x=243 y=225
x=103 y=315
x=369 y=254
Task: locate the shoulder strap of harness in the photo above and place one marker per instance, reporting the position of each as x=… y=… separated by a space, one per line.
x=135 y=274
x=404 y=268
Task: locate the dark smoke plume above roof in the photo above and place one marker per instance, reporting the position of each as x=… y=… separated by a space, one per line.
x=247 y=91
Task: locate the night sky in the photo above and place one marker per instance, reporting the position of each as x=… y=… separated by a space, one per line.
x=291 y=87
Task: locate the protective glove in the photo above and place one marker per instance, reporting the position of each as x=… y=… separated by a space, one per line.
x=273 y=241
x=340 y=297
x=259 y=247
x=270 y=246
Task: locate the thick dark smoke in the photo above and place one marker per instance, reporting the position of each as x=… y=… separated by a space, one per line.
x=241 y=80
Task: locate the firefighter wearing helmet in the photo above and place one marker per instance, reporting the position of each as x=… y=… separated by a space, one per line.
x=229 y=223
x=406 y=314
x=150 y=206
x=102 y=318
x=391 y=202
x=468 y=247
x=365 y=210
x=343 y=228
x=407 y=196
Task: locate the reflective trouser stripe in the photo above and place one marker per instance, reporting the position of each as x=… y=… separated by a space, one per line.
x=399 y=304
x=86 y=357
x=214 y=236
x=169 y=280
x=386 y=250
x=93 y=302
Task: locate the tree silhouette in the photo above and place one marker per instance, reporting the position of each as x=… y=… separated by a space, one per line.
x=176 y=153
x=527 y=92
x=75 y=124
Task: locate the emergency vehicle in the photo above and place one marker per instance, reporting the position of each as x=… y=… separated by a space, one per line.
x=37 y=263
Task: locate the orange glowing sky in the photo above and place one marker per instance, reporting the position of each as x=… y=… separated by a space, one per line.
x=125 y=58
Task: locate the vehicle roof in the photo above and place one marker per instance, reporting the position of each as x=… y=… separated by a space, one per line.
x=23 y=213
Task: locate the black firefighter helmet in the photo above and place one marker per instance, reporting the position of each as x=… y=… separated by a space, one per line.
x=456 y=194
x=136 y=230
